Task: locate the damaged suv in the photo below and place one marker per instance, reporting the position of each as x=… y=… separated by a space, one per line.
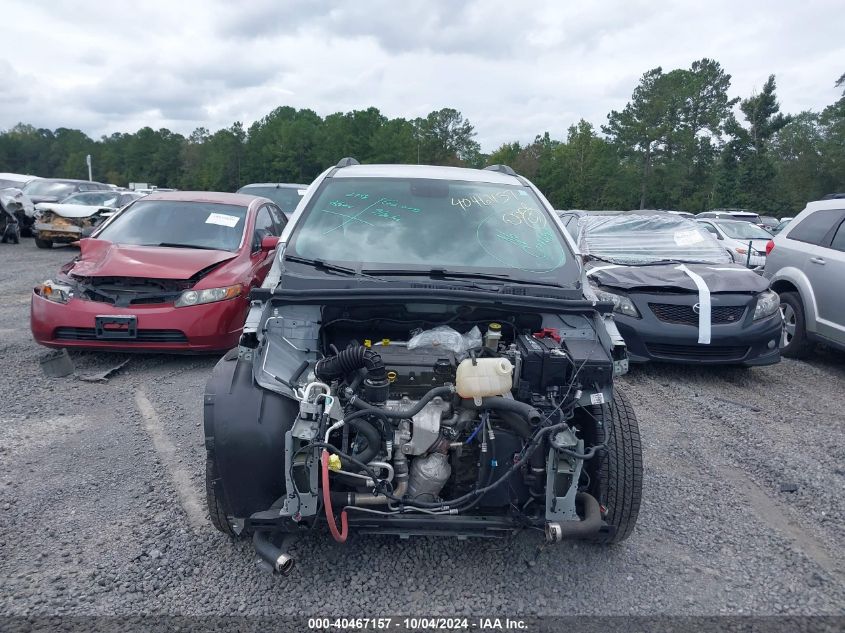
x=424 y=358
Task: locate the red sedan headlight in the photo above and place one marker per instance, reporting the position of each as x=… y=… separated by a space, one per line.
x=50 y=290
x=209 y=295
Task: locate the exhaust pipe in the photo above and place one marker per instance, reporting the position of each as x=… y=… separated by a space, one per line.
x=273 y=556
x=556 y=531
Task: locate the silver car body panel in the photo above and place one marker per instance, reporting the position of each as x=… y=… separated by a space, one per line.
x=816 y=272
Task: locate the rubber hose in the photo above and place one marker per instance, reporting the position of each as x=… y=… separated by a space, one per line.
x=373 y=442
x=591 y=522
x=405 y=414
x=498 y=403
x=338 y=535
x=515 y=423
x=347 y=361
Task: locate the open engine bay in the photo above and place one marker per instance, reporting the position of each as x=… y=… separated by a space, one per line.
x=474 y=417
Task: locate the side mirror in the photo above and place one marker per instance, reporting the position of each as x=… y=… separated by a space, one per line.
x=88 y=231
x=269 y=243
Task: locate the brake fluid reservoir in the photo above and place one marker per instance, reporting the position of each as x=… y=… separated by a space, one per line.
x=484 y=377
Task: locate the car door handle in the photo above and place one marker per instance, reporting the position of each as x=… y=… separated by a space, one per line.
x=817 y=260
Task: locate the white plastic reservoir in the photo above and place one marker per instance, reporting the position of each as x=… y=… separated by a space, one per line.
x=487 y=377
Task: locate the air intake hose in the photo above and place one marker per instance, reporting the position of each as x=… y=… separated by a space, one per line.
x=347 y=361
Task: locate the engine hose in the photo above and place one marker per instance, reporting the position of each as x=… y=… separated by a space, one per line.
x=347 y=361
x=515 y=423
x=590 y=524
x=373 y=438
x=384 y=421
x=498 y=403
x=570 y=453
x=338 y=535
x=406 y=414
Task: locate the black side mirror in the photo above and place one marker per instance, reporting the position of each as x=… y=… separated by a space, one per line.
x=88 y=231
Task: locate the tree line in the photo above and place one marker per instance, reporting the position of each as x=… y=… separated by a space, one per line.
x=681 y=142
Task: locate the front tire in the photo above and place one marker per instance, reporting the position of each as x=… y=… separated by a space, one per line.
x=620 y=482
x=43 y=243
x=794 y=342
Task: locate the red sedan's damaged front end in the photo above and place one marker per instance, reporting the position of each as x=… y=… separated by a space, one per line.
x=190 y=300
x=159 y=327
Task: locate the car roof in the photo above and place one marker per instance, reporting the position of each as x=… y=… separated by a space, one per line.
x=21 y=177
x=214 y=197
x=70 y=181
x=830 y=203
x=427 y=171
x=279 y=185
x=727 y=212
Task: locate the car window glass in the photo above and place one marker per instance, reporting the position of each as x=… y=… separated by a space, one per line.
x=198 y=225
x=286 y=197
x=814 y=228
x=710 y=228
x=416 y=223
x=278 y=218
x=263 y=227
x=839 y=239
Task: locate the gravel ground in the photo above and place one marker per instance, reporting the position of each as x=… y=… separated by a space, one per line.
x=101 y=493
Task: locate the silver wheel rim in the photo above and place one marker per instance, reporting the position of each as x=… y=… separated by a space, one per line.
x=789 y=324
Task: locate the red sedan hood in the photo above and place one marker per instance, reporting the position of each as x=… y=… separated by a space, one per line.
x=101 y=258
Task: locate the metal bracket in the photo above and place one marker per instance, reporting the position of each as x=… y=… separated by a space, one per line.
x=298 y=502
x=426 y=427
x=562 y=474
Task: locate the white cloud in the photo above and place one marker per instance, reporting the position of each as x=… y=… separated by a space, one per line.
x=514 y=69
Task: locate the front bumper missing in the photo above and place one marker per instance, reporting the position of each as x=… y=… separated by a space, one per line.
x=407 y=525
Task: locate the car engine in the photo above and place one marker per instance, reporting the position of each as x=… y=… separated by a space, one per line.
x=443 y=422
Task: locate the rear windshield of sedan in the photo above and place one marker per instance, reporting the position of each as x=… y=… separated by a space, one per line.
x=178 y=223
x=286 y=198
x=412 y=224
x=640 y=239
x=46 y=188
x=739 y=230
x=93 y=198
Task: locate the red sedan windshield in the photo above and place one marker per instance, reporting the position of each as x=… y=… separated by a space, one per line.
x=178 y=223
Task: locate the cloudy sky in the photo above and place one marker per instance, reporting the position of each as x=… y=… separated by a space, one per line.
x=514 y=69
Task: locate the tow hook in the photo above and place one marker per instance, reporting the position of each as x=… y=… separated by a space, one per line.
x=271 y=556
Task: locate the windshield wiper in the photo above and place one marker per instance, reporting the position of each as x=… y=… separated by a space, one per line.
x=177 y=245
x=337 y=268
x=442 y=273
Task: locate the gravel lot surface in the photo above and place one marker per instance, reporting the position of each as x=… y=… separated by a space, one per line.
x=103 y=510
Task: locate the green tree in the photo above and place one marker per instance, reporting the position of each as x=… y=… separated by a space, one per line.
x=640 y=128
x=756 y=171
x=445 y=138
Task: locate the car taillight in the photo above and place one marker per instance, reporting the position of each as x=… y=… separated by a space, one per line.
x=770 y=246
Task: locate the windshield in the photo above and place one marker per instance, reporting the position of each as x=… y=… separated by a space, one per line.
x=412 y=224
x=739 y=230
x=47 y=188
x=286 y=198
x=93 y=198
x=178 y=222
x=645 y=239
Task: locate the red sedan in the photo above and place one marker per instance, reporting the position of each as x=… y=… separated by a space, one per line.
x=170 y=273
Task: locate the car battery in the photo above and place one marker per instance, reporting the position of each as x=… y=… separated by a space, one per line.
x=544 y=364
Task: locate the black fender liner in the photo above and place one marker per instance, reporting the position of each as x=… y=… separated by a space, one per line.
x=245 y=428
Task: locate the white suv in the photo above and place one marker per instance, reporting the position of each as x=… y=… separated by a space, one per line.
x=806 y=267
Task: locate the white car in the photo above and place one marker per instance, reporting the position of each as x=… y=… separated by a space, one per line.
x=738 y=237
x=65 y=222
